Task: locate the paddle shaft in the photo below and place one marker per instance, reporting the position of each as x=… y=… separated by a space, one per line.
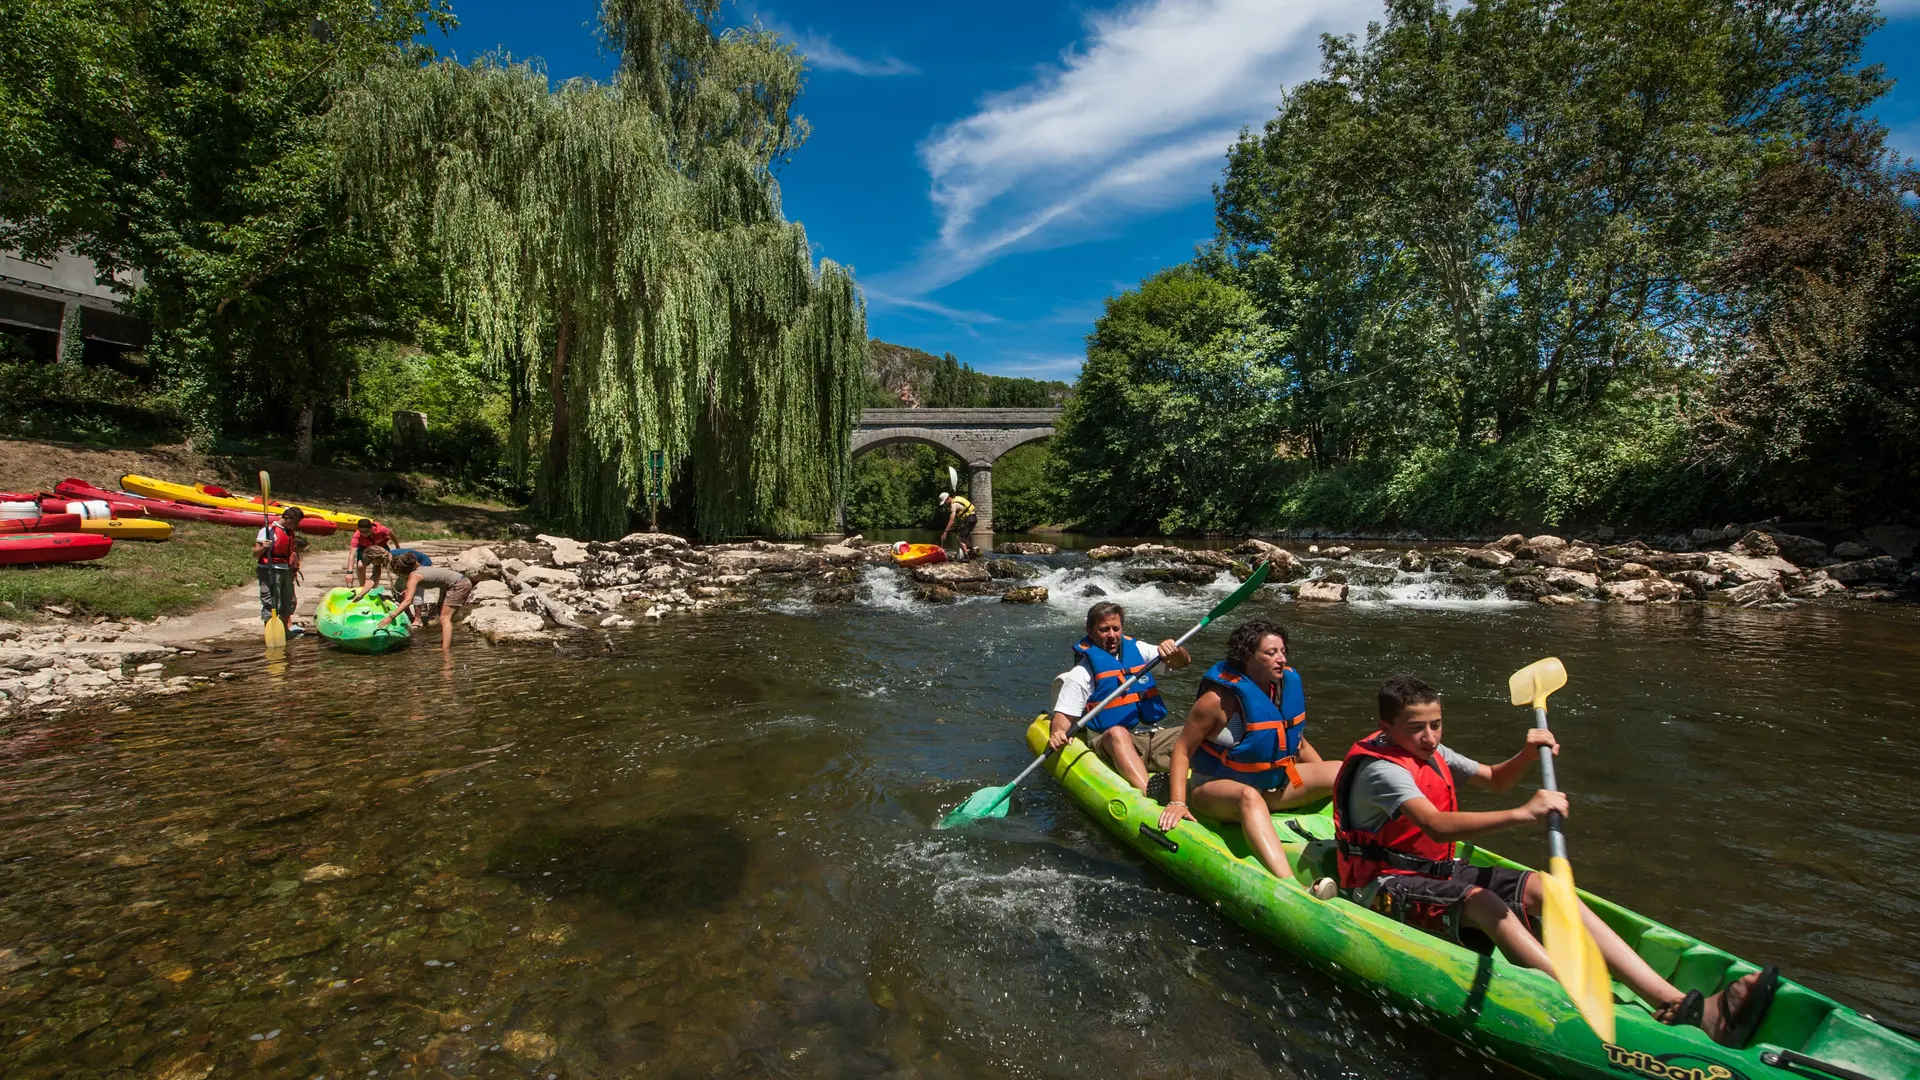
x=1093 y=712
x=1556 y=840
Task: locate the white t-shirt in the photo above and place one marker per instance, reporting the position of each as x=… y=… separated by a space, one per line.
x=1072 y=687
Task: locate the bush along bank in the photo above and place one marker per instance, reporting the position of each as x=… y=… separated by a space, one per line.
x=1758 y=567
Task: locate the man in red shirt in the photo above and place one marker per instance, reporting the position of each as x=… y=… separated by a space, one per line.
x=367 y=533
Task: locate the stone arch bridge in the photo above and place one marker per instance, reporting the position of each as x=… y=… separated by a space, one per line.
x=979 y=436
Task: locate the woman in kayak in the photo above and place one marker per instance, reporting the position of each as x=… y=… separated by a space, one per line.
x=1397 y=817
x=455 y=589
x=1245 y=740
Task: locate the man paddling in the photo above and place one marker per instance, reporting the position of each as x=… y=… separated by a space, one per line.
x=1397 y=816
x=1124 y=734
x=276 y=556
x=960 y=513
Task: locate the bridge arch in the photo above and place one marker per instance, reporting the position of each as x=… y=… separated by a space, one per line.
x=979 y=437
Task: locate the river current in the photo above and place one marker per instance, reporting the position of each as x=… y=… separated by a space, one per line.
x=705 y=847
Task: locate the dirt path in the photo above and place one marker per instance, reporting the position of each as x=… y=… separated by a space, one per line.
x=236 y=612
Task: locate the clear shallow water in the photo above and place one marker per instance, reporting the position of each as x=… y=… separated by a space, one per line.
x=709 y=853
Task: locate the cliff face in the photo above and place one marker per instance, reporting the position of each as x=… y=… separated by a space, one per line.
x=906 y=377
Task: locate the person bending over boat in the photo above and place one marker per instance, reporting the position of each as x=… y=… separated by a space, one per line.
x=961 y=515
x=1397 y=816
x=1125 y=734
x=1245 y=740
x=455 y=589
x=368 y=535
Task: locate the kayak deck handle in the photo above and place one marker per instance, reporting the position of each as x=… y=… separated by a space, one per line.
x=1793 y=1061
x=1160 y=838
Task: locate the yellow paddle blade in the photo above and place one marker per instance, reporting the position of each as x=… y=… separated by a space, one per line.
x=1576 y=958
x=1531 y=684
x=276 y=633
x=266 y=489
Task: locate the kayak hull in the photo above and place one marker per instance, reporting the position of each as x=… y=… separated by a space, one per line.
x=49 y=503
x=352 y=626
x=45 y=523
x=907 y=554
x=178 y=511
x=1515 y=1014
x=162 y=489
x=128 y=528
x=22 y=549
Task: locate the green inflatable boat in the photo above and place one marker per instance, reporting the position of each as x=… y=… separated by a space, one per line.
x=1515 y=1014
x=351 y=625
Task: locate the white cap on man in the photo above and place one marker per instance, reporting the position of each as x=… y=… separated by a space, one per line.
x=945 y=498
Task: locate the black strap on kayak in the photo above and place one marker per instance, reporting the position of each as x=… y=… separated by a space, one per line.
x=1793 y=1061
x=1398 y=860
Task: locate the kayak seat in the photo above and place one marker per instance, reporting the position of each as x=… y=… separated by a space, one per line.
x=1703 y=968
x=1319 y=855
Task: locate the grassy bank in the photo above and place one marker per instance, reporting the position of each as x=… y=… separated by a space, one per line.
x=140 y=580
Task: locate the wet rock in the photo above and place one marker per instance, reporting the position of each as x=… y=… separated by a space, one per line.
x=540 y=576
x=1182 y=575
x=1557 y=599
x=1487 y=558
x=1642 y=591
x=933 y=594
x=1878 y=596
x=1108 y=552
x=1528 y=587
x=1818 y=585
x=326 y=872
x=1537 y=548
x=1012 y=569
x=948 y=573
x=480 y=563
x=1413 y=561
x=1800 y=550
x=838 y=594
x=633 y=543
x=528 y=1045
x=779 y=561
x=1741 y=569
x=566 y=550
x=1566 y=581
x=1572 y=557
x=1510 y=542
x=1756 y=544
x=1025 y=594
x=491 y=592
x=1339 y=551
x=501 y=625
x=525 y=553
x=1670 y=563
x=1883 y=568
x=1750 y=594
x=1698 y=582
x=1322 y=592
x=1027 y=547
x=1633 y=571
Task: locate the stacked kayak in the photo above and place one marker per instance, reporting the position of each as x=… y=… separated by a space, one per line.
x=220 y=498
x=1516 y=1014
x=918 y=554
x=48 y=503
x=179 y=511
x=138 y=528
x=352 y=625
x=22 y=548
x=45 y=523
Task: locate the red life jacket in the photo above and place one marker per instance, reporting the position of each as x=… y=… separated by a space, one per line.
x=279 y=545
x=1398 y=846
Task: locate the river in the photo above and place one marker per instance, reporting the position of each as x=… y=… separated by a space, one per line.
x=710 y=853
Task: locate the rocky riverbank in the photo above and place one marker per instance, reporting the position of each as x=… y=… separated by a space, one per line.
x=52 y=668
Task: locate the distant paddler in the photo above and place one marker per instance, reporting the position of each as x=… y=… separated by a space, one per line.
x=961 y=515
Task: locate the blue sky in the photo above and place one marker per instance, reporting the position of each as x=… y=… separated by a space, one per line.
x=994 y=170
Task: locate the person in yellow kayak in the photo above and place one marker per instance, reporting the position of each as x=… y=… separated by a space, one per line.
x=276 y=556
x=1125 y=734
x=1245 y=740
x=961 y=515
x=455 y=590
x=1397 y=817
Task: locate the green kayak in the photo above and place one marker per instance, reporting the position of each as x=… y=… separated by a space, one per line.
x=352 y=625
x=1515 y=1014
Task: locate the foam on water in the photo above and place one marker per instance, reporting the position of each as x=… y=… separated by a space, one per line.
x=1071 y=588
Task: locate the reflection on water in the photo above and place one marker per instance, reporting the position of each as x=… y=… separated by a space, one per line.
x=710 y=853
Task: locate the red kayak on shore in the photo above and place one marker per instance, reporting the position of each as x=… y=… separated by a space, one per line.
x=72 y=504
x=45 y=523
x=178 y=511
x=23 y=548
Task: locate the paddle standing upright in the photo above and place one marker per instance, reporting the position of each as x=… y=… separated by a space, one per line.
x=273 y=563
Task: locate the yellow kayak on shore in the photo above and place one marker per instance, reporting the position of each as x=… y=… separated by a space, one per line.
x=161 y=489
x=128 y=528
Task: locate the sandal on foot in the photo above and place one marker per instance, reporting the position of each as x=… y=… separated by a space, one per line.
x=1741 y=1023
x=1691 y=1009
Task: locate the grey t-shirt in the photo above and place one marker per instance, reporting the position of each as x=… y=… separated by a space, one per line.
x=1381 y=787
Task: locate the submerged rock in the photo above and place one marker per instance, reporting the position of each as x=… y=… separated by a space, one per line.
x=1012 y=569
x=1529 y=587
x=1027 y=547
x=948 y=573
x=1554 y=599
x=933 y=594
x=1183 y=575
x=501 y=625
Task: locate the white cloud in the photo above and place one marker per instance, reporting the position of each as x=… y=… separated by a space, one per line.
x=1135 y=117
x=822 y=54
x=882 y=298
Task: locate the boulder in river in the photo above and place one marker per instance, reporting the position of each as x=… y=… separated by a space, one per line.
x=1027 y=547
x=1538 y=547
x=1025 y=594
x=1697 y=582
x=491 y=592
x=1012 y=569
x=1642 y=591
x=566 y=551
x=933 y=594
x=947 y=573
x=1884 y=568
x=1413 y=561
x=1800 y=550
x=1181 y=575
x=1487 y=558
x=1756 y=543
x=1510 y=542
x=1285 y=566
x=1106 y=552
x=1673 y=562
x=1572 y=557
x=1899 y=541
x=1817 y=585
x=502 y=625
x=1322 y=592
x=1634 y=571
x=1528 y=587
x=1750 y=594
x=1338 y=551
x=1554 y=599
x=542 y=577
x=479 y=563
x=1566 y=581
x=836 y=594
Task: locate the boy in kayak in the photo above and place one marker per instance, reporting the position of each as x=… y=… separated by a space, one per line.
x=1246 y=741
x=1124 y=734
x=367 y=534
x=455 y=589
x=276 y=556
x=1396 y=819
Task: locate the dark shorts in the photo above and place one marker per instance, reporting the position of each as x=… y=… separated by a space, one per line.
x=966 y=525
x=1154 y=745
x=1433 y=904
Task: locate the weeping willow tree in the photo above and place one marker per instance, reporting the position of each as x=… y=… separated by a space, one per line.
x=629 y=236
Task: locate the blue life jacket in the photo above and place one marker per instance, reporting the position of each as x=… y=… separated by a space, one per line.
x=1140 y=704
x=1265 y=734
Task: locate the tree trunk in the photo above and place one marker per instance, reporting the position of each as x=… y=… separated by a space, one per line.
x=557 y=390
x=303 y=435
